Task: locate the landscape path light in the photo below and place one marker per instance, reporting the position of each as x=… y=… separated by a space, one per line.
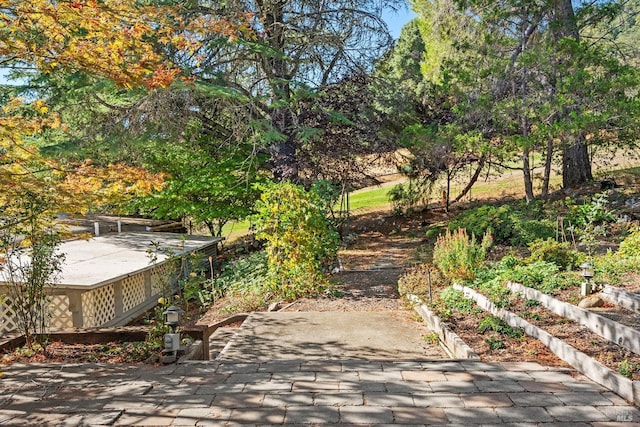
x=586 y=270
x=173 y=319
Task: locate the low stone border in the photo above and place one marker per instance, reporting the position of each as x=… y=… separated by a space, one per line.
x=449 y=340
x=608 y=329
x=624 y=387
x=622 y=298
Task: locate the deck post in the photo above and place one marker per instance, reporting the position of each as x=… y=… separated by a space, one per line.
x=75 y=306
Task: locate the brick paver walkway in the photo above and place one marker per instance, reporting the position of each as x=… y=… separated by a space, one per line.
x=315 y=392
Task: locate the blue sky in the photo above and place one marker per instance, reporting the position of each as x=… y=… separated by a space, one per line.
x=396 y=20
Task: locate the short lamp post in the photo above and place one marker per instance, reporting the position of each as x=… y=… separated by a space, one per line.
x=172 y=319
x=586 y=270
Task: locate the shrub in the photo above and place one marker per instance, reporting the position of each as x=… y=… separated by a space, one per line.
x=486 y=219
x=416 y=281
x=495 y=324
x=455 y=300
x=594 y=212
x=299 y=242
x=530 y=230
x=554 y=252
x=458 y=256
x=630 y=246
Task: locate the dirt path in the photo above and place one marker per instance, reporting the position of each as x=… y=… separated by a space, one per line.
x=381 y=249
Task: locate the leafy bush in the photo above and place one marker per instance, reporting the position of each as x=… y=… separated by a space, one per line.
x=529 y=230
x=486 y=219
x=554 y=252
x=458 y=256
x=593 y=212
x=541 y=275
x=630 y=246
x=497 y=293
x=515 y=225
x=495 y=324
x=299 y=242
x=455 y=300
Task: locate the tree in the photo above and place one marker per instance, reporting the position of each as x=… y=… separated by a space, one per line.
x=528 y=81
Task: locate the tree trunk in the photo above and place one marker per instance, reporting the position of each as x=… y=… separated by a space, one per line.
x=576 y=165
x=528 y=180
x=472 y=181
x=547 y=168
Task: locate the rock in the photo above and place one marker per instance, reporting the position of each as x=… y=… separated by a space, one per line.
x=591 y=301
x=275 y=306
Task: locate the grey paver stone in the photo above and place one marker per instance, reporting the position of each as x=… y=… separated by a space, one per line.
x=443 y=366
x=380 y=376
x=351 y=386
x=473 y=416
x=337 y=376
x=523 y=366
x=315 y=385
x=408 y=387
x=543 y=387
x=238 y=368
x=520 y=413
x=485 y=400
x=312 y=414
x=174 y=390
x=101 y=418
x=192 y=416
x=280 y=366
x=454 y=387
x=204 y=379
x=429 y=416
x=321 y=366
x=467 y=376
x=365 y=415
x=293 y=376
x=271 y=386
x=506 y=386
x=258 y=415
x=287 y=399
x=339 y=399
x=239 y=400
x=551 y=376
x=583 y=398
x=220 y=388
x=576 y=413
x=187 y=401
x=535 y=399
x=253 y=378
x=142 y=417
x=424 y=376
x=388 y=399
x=437 y=400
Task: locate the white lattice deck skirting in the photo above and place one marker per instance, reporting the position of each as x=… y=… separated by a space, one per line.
x=109 y=280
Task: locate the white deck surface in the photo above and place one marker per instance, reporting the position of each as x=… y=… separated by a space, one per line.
x=90 y=263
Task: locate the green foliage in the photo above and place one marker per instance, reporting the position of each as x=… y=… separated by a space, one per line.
x=495 y=343
x=516 y=225
x=299 y=241
x=627 y=368
x=406 y=197
x=630 y=246
x=459 y=256
x=592 y=213
x=611 y=267
x=455 y=300
x=29 y=264
x=495 y=324
x=496 y=291
x=486 y=219
x=541 y=275
x=554 y=252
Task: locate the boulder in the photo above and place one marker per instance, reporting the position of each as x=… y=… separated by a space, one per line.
x=591 y=301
